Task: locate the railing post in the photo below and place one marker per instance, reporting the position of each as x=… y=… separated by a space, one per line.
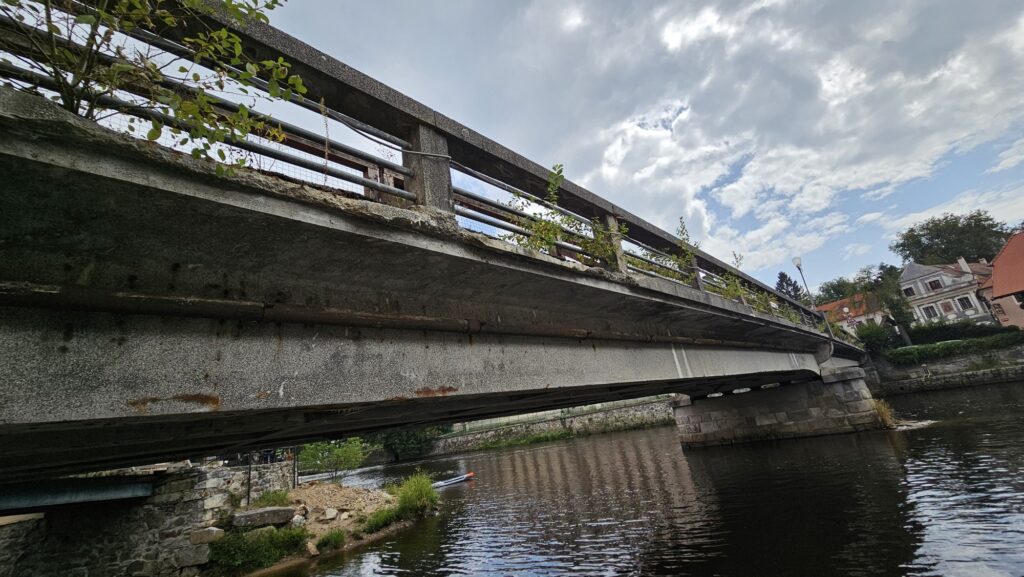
x=432 y=177
x=696 y=274
x=619 y=264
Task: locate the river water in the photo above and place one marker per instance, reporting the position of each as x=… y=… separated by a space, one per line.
x=943 y=499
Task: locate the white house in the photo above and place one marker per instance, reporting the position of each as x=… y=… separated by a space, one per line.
x=946 y=291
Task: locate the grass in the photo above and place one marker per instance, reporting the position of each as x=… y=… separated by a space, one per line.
x=277 y=498
x=885 y=413
x=333 y=539
x=416 y=495
x=240 y=552
x=527 y=439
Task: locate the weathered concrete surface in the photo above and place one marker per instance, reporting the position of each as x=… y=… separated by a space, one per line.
x=839 y=402
x=152 y=310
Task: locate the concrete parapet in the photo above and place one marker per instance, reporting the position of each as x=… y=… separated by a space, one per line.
x=838 y=403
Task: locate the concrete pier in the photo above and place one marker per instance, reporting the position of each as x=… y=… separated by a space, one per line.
x=839 y=402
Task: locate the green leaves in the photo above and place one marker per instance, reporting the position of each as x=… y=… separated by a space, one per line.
x=155 y=132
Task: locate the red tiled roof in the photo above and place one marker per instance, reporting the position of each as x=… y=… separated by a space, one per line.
x=859 y=305
x=1008 y=268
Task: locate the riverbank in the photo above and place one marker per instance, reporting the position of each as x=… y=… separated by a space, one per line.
x=556 y=425
x=949 y=381
x=329 y=520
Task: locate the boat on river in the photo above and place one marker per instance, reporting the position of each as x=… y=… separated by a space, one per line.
x=454 y=480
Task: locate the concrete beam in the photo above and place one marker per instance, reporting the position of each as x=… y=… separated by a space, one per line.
x=52 y=493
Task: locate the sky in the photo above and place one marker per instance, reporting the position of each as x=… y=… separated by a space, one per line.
x=773 y=128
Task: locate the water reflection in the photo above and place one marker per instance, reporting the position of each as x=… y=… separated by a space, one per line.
x=942 y=500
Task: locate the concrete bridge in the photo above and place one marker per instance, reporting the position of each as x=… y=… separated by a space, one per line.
x=151 y=309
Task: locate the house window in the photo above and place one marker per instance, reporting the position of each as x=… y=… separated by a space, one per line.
x=929 y=312
x=998 y=309
x=965 y=303
x=935 y=284
x=946 y=306
x=1019 y=298
x=909 y=291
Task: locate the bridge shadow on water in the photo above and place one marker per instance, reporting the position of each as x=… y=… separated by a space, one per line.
x=633 y=503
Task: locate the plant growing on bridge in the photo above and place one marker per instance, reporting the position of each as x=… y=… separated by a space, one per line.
x=549 y=227
x=680 y=265
x=81 y=54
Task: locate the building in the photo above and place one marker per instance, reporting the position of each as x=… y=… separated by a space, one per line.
x=946 y=292
x=1005 y=289
x=854 y=311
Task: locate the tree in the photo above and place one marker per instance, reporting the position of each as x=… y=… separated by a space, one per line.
x=835 y=289
x=82 y=56
x=332 y=456
x=789 y=287
x=941 y=239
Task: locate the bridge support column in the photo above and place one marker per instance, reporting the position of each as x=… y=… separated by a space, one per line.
x=432 y=178
x=838 y=403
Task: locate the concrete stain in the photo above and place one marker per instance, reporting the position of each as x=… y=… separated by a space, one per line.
x=441 y=391
x=210 y=402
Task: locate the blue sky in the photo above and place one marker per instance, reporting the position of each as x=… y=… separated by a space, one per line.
x=774 y=128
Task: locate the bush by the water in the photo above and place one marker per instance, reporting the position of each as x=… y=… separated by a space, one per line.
x=940 y=331
x=240 y=552
x=877 y=338
x=333 y=539
x=416 y=495
x=409 y=443
x=921 y=353
x=278 y=498
x=332 y=456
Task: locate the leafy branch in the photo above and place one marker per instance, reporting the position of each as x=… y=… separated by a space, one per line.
x=89 y=54
x=550 y=227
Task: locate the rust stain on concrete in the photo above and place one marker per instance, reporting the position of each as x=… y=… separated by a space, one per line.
x=438 y=392
x=211 y=402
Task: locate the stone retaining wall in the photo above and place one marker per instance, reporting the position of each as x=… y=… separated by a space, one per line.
x=839 y=403
x=1008 y=357
x=939 y=382
x=602 y=421
x=159 y=536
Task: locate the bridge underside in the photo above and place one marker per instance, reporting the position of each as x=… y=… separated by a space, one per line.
x=150 y=309
x=132 y=389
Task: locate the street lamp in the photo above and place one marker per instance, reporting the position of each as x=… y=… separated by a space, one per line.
x=798 y=263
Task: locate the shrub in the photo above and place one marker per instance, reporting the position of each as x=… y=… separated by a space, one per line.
x=278 y=498
x=876 y=338
x=332 y=456
x=885 y=413
x=240 y=552
x=920 y=353
x=407 y=444
x=416 y=495
x=380 y=518
x=940 y=331
x=333 y=539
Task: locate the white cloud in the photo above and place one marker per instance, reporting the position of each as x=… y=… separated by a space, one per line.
x=1010 y=157
x=1004 y=204
x=855 y=249
x=870 y=217
x=573 y=18
x=707 y=24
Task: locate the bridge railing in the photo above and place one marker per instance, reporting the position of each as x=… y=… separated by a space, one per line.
x=496 y=191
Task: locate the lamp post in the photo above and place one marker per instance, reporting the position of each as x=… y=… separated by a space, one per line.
x=798 y=263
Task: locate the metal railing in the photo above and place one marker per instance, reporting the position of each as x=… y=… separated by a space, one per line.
x=343 y=95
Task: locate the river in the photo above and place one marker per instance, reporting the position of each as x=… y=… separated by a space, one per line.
x=943 y=499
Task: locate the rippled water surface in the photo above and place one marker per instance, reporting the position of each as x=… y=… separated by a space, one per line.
x=945 y=499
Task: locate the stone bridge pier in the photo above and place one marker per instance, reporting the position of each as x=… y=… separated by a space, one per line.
x=838 y=402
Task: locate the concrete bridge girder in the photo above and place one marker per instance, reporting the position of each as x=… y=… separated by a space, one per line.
x=153 y=309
